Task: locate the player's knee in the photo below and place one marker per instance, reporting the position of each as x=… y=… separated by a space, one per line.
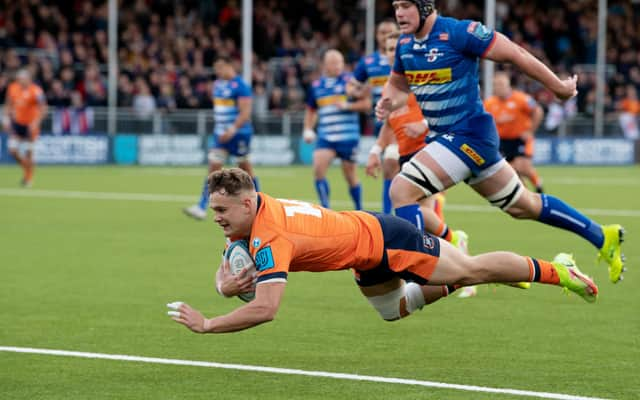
x=403 y=193
x=217 y=157
x=526 y=207
x=398 y=303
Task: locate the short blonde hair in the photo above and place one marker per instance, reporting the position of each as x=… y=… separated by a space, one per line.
x=232 y=181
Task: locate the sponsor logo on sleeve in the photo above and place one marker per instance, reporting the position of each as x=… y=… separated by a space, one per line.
x=479 y=31
x=264 y=259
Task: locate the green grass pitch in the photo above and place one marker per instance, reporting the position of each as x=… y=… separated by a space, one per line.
x=84 y=269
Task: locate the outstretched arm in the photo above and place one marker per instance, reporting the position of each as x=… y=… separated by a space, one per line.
x=262 y=309
x=504 y=50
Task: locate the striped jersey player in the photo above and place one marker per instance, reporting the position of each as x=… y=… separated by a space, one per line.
x=437 y=60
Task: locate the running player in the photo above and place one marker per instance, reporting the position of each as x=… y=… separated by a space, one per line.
x=384 y=251
x=437 y=60
x=407 y=128
x=24 y=108
x=517 y=116
x=233 y=130
x=371 y=74
x=338 y=126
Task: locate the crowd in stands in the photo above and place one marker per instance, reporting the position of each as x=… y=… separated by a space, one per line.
x=166 y=49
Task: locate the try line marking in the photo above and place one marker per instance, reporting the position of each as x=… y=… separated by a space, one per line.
x=287 y=371
x=186 y=200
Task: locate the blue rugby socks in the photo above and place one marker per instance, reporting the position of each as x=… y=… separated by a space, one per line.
x=322 y=187
x=356 y=196
x=386 y=199
x=557 y=213
x=204 y=196
x=412 y=214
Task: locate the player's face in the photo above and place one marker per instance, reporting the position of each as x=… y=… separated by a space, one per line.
x=221 y=69
x=390 y=50
x=232 y=213
x=333 y=64
x=501 y=86
x=384 y=29
x=407 y=16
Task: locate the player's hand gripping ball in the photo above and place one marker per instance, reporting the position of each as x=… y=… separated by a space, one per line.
x=239 y=258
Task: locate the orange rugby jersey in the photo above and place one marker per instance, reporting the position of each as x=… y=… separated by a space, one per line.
x=630 y=106
x=291 y=235
x=409 y=113
x=512 y=115
x=25 y=102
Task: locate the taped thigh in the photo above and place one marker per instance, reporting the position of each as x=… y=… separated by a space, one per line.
x=26 y=146
x=391 y=152
x=218 y=155
x=242 y=158
x=13 y=144
x=388 y=305
x=421 y=176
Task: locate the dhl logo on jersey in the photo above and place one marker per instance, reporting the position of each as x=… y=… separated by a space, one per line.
x=330 y=100
x=472 y=154
x=224 y=102
x=377 y=81
x=429 y=76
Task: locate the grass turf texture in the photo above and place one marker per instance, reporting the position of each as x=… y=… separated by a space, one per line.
x=95 y=275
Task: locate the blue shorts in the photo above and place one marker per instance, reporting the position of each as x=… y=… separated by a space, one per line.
x=238 y=146
x=478 y=149
x=20 y=130
x=408 y=253
x=345 y=150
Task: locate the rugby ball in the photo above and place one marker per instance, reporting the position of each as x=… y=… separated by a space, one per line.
x=240 y=258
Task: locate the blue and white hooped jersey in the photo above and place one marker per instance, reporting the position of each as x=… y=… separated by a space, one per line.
x=442 y=71
x=373 y=69
x=334 y=124
x=225 y=104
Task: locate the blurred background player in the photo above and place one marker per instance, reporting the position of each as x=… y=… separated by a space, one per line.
x=407 y=129
x=233 y=130
x=24 y=108
x=370 y=74
x=517 y=116
x=437 y=59
x=383 y=251
x=338 y=126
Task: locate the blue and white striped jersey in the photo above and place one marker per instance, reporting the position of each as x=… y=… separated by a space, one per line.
x=442 y=71
x=334 y=124
x=373 y=69
x=225 y=104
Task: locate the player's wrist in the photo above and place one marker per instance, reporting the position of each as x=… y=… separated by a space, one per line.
x=376 y=150
x=206 y=326
x=220 y=290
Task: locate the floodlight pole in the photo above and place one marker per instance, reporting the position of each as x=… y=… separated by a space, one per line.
x=247 y=40
x=370 y=29
x=488 y=67
x=113 y=68
x=601 y=73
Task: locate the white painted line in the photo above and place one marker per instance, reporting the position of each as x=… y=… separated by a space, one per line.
x=287 y=371
x=176 y=198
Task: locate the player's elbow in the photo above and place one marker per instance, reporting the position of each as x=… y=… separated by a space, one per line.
x=265 y=313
